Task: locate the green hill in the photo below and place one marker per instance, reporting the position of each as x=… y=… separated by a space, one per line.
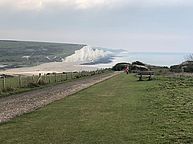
x=24 y=53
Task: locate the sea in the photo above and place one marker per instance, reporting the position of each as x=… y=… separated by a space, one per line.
x=153 y=58
x=105 y=57
x=2 y=66
x=156 y=58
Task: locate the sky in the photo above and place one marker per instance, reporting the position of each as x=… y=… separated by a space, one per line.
x=134 y=25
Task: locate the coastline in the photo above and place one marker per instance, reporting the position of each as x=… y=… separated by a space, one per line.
x=53 y=67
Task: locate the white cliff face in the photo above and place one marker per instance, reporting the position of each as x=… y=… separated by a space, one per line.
x=87 y=55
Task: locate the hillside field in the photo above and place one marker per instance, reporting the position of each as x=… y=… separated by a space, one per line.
x=121 y=110
x=23 y=53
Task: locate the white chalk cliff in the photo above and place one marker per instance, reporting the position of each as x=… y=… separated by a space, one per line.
x=87 y=55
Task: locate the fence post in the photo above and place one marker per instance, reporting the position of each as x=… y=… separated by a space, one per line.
x=4 y=82
x=61 y=77
x=20 y=83
x=33 y=79
x=39 y=78
x=71 y=75
x=55 y=77
x=49 y=79
x=45 y=78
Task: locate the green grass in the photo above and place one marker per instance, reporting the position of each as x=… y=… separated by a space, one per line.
x=120 y=110
x=12 y=52
x=14 y=85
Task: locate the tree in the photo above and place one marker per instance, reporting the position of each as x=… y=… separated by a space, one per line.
x=189 y=57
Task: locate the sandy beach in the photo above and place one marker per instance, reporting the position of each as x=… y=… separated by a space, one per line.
x=56 y=67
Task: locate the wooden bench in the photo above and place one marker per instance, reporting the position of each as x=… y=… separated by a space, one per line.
x=148 y=74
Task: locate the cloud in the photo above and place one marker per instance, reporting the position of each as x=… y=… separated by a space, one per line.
x=89 y=4
x=21 y=4
x=43 y=4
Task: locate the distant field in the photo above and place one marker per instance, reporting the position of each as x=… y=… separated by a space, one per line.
x=120 y=110
x=20 y=53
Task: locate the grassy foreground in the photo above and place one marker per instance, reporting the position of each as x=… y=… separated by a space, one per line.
x=120 y=110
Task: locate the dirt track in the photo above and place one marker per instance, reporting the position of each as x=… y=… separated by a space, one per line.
x=19 y=104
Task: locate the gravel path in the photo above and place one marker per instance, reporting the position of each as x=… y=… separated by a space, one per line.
x=19 y=104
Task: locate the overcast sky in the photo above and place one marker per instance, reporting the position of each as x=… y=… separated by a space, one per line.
x=135 y=25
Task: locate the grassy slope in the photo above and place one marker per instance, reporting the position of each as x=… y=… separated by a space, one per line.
x=11 y=52
x=120 y=110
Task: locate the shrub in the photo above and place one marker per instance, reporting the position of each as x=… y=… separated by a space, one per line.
x=138 y=63
x=8 y=89
x=41 y=82
x=120 y=66
x=32 y=85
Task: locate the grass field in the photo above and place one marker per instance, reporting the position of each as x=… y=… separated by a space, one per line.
x=120 y=110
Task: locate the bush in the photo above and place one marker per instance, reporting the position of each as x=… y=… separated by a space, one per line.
x=138 y=63
x=8 y=89
x=41 y=82
x=188 y=69
x=77 y=76
x=175 y=68
x=120 y=66
x=32 y=85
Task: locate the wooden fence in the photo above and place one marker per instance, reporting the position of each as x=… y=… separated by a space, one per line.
x=16 y=82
